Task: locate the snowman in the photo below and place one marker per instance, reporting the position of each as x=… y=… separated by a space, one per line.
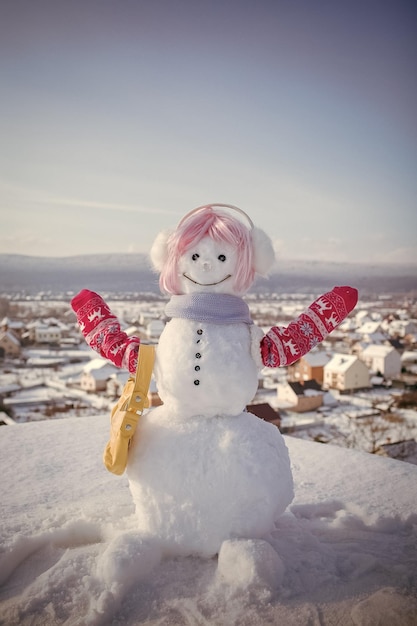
x=202 y=470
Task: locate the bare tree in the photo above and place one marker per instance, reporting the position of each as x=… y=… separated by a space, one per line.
x=369 y=433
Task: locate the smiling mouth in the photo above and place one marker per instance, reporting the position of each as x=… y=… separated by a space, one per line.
x=206 y=284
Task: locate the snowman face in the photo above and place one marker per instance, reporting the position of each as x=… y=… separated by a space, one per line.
x=208 y=266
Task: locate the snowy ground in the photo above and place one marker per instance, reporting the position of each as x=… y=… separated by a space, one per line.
x=347 y=546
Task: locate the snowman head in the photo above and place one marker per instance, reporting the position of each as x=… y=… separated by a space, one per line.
x=212 y=250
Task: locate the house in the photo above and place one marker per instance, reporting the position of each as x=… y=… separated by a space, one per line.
x=358 y=348
x=346 y=372
x=96 y=374
x=45 y=333
x=409 y=356
x=116 y=382
x=301 y=396
x=396 y=343
x=264 y=411
x=348 y=325
x=5 y=420
x=15 y=327
x=4 y=324
x=361 y=317
x=409 y=361
x=269 y=377
x=309 y=367
x=401 y=328
x=371 y=332
x=383 y=359
x=401 y=450
x=9 y=344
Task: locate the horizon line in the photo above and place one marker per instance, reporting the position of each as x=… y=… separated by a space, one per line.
x=279 y=259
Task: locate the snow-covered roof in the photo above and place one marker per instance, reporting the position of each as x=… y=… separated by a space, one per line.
x=376 y=337
x=401 y=324
x=376 y=380
x=348 y=324
x=361 y=315
x=368 y=328
x=10 y=336
x=409 y=356
x=303 y=389
x=131 y=330
x=317 y=358
x=35 y=324
x=99 y=368
x=376 y=350
x=341 y=362
x=12 y=324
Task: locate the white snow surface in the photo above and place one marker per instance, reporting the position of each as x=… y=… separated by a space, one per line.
x=344 y=552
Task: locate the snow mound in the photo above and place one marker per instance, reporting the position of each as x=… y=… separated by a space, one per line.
x=70 y=553
x=250 y=563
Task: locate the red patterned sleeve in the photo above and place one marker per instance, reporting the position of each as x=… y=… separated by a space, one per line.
x=285 y=345
x=102 y=331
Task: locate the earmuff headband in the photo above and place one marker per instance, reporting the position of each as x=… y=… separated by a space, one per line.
x=212 y=206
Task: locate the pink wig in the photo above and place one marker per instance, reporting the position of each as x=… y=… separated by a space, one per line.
x=221 y=227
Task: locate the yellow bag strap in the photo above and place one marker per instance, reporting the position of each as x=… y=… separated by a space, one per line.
x=139 y=398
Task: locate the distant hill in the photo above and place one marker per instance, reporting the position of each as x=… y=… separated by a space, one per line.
x=121 y=273
x=108 y=272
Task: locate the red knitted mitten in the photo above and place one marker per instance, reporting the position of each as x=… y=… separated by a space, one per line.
x=102 y=332
x=283 y=346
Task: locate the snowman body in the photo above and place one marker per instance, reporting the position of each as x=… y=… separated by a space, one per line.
x=198 y=482
x=202 y=470
x=205 y=369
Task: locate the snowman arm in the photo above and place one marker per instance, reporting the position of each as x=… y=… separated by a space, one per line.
x=102 y=332
x=285 y=345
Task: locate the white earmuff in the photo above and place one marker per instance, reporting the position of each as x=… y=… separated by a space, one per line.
x=159 y=250
x=263 y=252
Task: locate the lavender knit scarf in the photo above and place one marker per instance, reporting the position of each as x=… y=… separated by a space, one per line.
x=218 y=308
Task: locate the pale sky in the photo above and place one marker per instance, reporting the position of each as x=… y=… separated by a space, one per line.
x=118 y=117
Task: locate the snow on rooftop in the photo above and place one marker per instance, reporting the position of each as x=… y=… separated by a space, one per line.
x=346 y=547
x=409 y=356
x=96 y=365
x=10 y=336
x=317 y=358
x=341 y=362
x=368 y=328
x=378 y=350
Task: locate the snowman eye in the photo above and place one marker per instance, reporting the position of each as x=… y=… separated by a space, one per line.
x=195 y=256
x=221 y=258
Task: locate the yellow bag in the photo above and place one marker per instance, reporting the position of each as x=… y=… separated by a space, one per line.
x=126 y=413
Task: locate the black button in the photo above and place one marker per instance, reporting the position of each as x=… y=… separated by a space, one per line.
x=197 y=368
x=198 y=355
x=199 y=332
x=196 y=382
